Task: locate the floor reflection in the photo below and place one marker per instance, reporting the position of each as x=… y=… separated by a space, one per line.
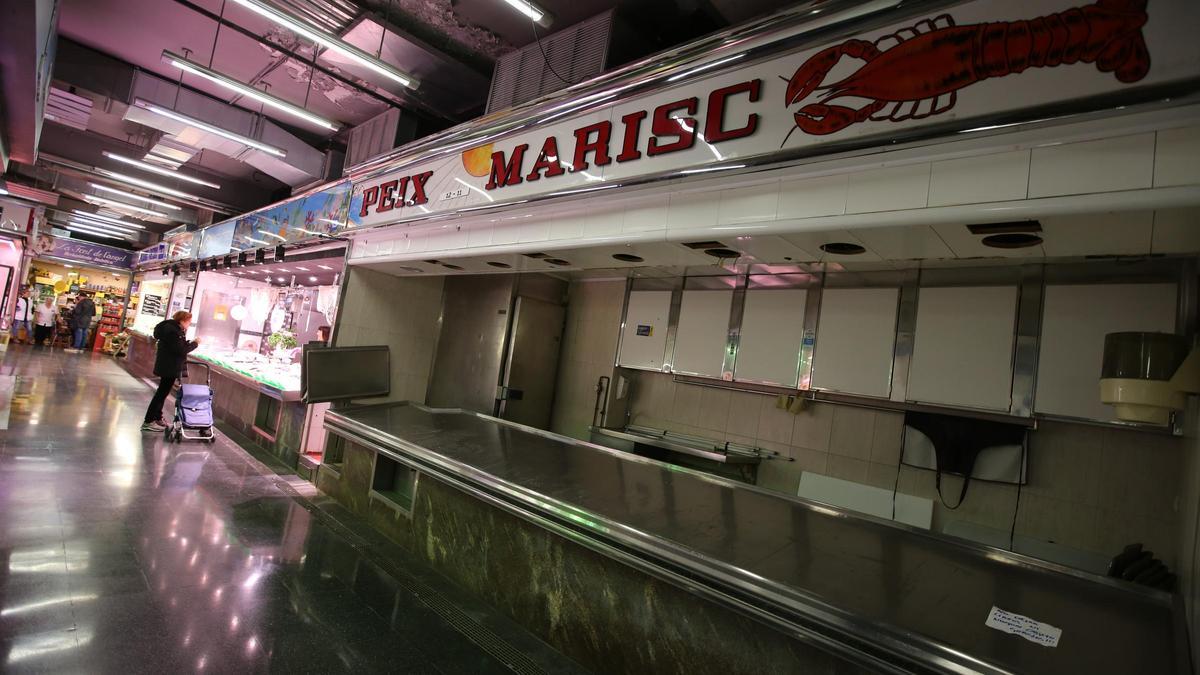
x=121 y=553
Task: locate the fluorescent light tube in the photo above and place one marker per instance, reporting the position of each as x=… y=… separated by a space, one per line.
x=106 y=219
x=329 y=42
x=122 y=205
x=192 y=121
x=96 y=233
x=531 y=11
x=246 y=90
x=105 y=228
x=131 y=195
x=162 y=171
x=148 y=185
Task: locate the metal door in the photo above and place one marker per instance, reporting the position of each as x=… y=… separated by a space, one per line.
x=531 y=370
x=470 y=350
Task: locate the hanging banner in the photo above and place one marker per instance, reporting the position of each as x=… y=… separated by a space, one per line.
x=216 y=240
x=152 y=254
x=82 y=252
x=310 y=216
x=180 y=244
x=973 y=65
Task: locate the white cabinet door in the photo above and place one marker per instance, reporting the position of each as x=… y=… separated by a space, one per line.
x=856 y=341
x=703 y=332
x=1075 y=319
x=771 y=335
x=963 y=349
x=644 y=336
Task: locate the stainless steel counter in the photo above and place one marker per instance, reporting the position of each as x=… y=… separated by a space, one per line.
x=882 y=595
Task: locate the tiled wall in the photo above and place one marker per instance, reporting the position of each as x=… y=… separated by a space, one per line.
x=401 y=312
x=1090 y=488
x=588 y=350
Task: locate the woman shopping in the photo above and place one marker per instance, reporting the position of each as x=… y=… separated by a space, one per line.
x=46 y=315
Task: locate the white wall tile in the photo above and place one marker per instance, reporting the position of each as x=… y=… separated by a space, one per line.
x=534 y=231
x=1177 y=157
x=970 y=180
x=646 y=215
x=853 y=432
x=900 y=187
x=744 y=412
x=774 y=424
x=605 y=223
x=690 y=210
x=748 y=204
x=1176 y=230
x=813 y=427
x=1123 y=163
x=811 y=197
x=479 y=235
x=506 y=233
x=566 y=227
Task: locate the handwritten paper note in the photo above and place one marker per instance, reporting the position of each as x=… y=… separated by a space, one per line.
x=1035 y=631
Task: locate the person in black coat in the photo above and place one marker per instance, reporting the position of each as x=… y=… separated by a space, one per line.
x=81 y=319
x=169 y=362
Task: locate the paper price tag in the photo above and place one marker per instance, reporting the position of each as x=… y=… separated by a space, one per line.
x=1035 y=631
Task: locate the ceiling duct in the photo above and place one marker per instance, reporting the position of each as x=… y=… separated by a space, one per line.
x=70 y=109
x=300 y=165
x=381 y=133
x=573 y=54
x=31 y=193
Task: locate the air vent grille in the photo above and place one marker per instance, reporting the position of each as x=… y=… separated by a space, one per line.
x=701 y=245
x=575 y=54
x=70 y=109
x=1013 y=227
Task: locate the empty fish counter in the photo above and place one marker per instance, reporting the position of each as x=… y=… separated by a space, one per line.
x=627 y=563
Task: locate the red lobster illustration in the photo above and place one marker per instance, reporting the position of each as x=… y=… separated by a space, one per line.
x=919 y=70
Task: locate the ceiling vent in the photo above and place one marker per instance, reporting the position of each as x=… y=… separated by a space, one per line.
x=703 y=245
x=573 y=54
x=31 y=193
x=1014 y=227
x=70 y=109
x=379 y=134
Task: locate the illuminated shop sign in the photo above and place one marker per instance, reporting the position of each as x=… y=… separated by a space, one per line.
x=977 y=64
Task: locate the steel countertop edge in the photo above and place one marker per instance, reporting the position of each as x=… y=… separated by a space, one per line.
x=880 y=645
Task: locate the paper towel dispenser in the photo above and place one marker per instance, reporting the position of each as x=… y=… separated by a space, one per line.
x=1146 y=376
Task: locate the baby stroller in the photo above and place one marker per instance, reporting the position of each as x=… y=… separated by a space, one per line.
x=193 y=410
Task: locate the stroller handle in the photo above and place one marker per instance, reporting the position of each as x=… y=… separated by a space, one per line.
x=207 y=369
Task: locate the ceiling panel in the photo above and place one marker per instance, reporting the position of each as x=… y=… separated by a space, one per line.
x=964 y=244
x=918 y=242
x=1098 y=234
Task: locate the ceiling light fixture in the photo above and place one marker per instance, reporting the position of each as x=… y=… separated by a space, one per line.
x=98 y=226
x=106 y=219
x=95 y=233
x=162 y=171
x=131 y=195
x=532 y=11
x=194 y=68
x=330 y=42
x=3 y=191
x=149 y=185
x=122 y=205
x=193 y=122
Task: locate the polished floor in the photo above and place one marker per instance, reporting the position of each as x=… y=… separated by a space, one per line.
x=120 y=553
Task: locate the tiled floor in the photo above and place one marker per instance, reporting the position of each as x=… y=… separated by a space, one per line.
x=120 y=553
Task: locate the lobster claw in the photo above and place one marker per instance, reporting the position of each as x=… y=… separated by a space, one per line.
x=819 y=119
x=812 y=73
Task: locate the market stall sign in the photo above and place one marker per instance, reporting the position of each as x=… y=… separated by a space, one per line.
x=152 y=254
x=975 y=64
x=83 y=252
x=310 y=216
